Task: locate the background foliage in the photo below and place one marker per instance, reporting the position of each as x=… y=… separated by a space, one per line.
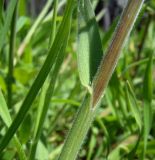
x=124 y=123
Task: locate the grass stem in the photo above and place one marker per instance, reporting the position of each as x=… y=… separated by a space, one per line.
x=88 y=109
x=110 y=60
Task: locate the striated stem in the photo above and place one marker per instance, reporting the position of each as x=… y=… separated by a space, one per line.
x=86 y=113
x=78 y=131
x=110 y=60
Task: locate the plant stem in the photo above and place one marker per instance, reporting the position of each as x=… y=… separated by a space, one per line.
x=78 y=131
x=88 y=109
x=110 y=60
x=11 y=55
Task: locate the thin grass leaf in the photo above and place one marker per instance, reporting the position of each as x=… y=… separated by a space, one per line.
x=92 y=144
x=5 y=115
x=47 y=100
x=1 y=11
x=147 y=92
x=66 y=101
x=44 y=89
x=40 y=109
x=38 y=83
x=48 y=91
x=148 y=79
x=105 y=131
x=132 y=104
x=4 y=112
x=34 y=27
x=11 y=57
x=134 y=64
x=53 y=32
x=89 y=51
x=108 y=96
x=8 y=19
x=119 y=97
x=50 y=14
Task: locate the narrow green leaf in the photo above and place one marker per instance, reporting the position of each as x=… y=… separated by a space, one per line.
x=40 y=109
x=8 y=19
x=26 y=126
x=11 y=57
x=92 y=144
x=1 y=16
x=5 y=115
x=4 y=112
x=38 y=83
x=44 y=89
x=147 y=92
x=89 y=43
x=50 y=14
x=53 y=31
x=47 y=98
x=132 y=104
x=34 y=27
x=1 y=10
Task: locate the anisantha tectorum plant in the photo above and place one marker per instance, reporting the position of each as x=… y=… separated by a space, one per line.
x=89 y=107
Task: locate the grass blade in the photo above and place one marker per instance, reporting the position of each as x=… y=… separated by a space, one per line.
x=4 y=112
x=53 y=32
x=48 y=95
x=53 y=53
x=9 y=15
x=34 y=27
x=5 y=115
x=11 y=57
x=47 y=100
x=89 y=43
x=132 y=104
x=147 y=92
x=1 y=11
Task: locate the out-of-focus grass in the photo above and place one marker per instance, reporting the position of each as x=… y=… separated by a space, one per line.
x=123 y=118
